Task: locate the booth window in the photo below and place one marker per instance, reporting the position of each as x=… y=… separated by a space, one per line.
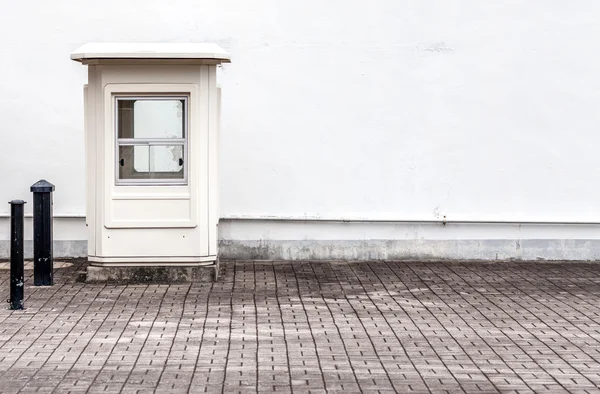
x=151 y=140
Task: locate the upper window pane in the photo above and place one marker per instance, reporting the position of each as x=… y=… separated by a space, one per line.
x=151 y=118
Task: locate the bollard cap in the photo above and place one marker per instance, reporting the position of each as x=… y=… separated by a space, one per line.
x=42 y=186
x=17 y=202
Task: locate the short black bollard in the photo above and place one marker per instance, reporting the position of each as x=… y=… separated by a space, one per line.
x=43 y=264
x=17 y=279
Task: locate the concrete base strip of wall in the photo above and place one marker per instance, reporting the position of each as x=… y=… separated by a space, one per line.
x=529 y=249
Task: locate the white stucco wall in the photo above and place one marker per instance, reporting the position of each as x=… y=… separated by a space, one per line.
x=388 y=110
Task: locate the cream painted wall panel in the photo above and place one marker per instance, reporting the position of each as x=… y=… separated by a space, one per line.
x=202 y=158
x=89 y=110
x=214 y=103
x=154 y=206
x=152 y=243
x=151 y=213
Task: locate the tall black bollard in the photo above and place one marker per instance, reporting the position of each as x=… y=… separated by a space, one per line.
x=17 y=279
x=43 y=264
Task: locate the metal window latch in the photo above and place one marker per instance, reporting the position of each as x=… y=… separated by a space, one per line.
x=122 y=162
x=180 y=161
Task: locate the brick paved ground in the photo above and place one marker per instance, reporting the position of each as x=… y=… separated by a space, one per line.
x=302 y=327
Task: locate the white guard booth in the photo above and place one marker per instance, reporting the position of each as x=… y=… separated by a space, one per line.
x=151 y=126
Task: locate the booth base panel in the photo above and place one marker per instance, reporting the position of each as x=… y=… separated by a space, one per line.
x=151 y=261
x=152 y=272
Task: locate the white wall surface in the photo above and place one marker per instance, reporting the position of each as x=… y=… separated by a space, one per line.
x=390 y=109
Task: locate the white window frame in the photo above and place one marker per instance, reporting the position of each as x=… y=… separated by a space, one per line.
x=152 y=141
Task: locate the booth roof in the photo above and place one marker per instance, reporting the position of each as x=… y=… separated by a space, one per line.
x=150 y=51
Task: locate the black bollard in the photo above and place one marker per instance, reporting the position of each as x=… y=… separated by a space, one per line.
x=43 y=264
x=17 y=279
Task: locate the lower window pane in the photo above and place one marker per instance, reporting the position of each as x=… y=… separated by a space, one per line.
x=154 y=162
x=134 y=162
x=166 y=162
